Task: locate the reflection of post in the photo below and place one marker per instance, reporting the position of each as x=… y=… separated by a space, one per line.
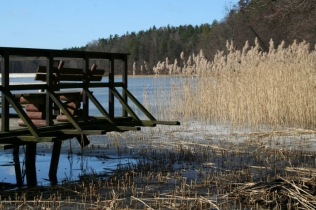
x=54 y=162
x=71 y=161
x=17 y=165
x=30 y=168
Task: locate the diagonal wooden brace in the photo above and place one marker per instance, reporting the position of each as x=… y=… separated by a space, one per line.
x=100 y=107
x=139 y=105
x=64 y=109
x=15 y=104
x=124 y=104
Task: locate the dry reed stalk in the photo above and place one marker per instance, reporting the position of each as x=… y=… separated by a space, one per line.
x=248 y=87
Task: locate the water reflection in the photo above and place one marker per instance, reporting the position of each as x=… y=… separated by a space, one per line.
x=71 y=165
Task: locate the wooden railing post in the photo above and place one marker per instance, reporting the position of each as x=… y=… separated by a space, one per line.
x=5 y=123
x=124 y=81
x=49 y=83
x=85 y=99
x=111 y=86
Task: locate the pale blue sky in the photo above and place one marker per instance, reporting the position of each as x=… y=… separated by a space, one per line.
x=58 y=24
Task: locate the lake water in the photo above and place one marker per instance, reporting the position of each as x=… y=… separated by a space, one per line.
x=71 y=166
x=136 y=85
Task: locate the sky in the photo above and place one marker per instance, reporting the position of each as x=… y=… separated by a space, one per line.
x=59 y=24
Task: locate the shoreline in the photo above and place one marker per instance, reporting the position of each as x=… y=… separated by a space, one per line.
x=32 y=75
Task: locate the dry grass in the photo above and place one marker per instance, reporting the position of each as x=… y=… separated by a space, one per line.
x=247 y=87
x=184 y=168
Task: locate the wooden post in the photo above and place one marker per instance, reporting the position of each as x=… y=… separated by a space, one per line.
x=17 y=166
x=5 y=83
x=124 y=80
x=85 y=99
x=54 y=162
x=111 y=86
x=30 y=166
x=49 y=83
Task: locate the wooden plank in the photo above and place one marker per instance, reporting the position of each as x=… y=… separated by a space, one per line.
x=31 y=52
x=167 y=122
x=27 y=87
x=42 y=69
x=87 y=132
x=36 y=115
x=68 y=77
x=36 y=99
x=37 y=139
x=34 y=108
x=6 y=146
x=42 y=77
x=36 y=122
x=43 y=94
x=128 y=128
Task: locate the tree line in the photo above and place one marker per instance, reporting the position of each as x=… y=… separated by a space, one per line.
x=280 y=20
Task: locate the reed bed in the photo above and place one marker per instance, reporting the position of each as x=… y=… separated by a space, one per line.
x=246 y=87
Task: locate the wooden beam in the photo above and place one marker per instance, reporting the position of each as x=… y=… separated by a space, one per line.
x=111 y=85
x=15 y=104
x=49 y=82
x=139 y=105
x=100 y=107
x=31 y=52
x=124 y=104
x=70 y=117
x=124 y=85
x=88 y=132
x=6 y=146
x=5 y=85
x=37 y=139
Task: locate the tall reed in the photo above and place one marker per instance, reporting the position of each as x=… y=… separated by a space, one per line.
x=246 y=87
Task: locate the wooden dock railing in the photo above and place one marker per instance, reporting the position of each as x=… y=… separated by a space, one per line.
x=53 y=96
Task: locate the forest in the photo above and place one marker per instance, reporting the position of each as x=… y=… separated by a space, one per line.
x=280 y=20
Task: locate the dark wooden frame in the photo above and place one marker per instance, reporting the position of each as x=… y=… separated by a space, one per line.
x=99 y=125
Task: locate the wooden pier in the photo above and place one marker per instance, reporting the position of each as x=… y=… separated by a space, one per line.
x=57 y=112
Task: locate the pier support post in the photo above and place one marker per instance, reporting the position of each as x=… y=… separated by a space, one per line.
x=30 y=166
x=54 y=162
x=17 y=165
